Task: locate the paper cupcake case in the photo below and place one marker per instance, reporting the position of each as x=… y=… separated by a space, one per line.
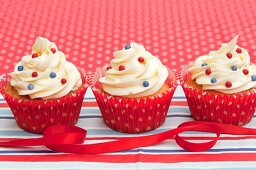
x=133 y=115
x=236 y=109
x=36 y=115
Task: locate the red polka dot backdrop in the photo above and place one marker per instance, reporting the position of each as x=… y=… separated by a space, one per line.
x=89 y=31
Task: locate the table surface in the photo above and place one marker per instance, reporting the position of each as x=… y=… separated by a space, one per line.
x=88 y=32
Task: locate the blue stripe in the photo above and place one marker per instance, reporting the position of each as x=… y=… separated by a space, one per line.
x=179 y=97
x=142 y=150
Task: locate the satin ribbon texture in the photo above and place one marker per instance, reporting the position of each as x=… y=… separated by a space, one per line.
x=70 y=139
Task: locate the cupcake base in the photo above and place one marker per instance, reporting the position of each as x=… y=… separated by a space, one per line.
x=36 y=115
x=236 y=109
x=134 y=115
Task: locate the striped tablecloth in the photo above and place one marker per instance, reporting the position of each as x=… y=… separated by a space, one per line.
x=227 y=154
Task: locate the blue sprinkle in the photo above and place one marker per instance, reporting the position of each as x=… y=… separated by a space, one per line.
x=145 y=83
x=253 y=77
x=30 y=86
x=234 y=68
x=20 y=68
x=53 y=75
x=213 y=80
x=127 y=47
x=204 y=64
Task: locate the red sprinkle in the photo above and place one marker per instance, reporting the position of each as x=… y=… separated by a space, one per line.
x=109 y=67
x=53 y=50
x=245 y=71
x=63 y=81
x=34 y=55
x=34 y=74
x=229 y=55
x=228 y=84
x=239 y=50
x=208 y=71
x=121 y=68
x=141 y=59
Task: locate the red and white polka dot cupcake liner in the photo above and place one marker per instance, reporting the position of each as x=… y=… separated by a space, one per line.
x=236 y=109
x=36 y=115
x=133 y=115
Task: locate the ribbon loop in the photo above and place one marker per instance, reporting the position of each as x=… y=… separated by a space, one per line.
x=64 y=134
x=201 y=127
x=70 y=139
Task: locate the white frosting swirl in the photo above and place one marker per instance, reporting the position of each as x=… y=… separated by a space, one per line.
x=231 y=64
x=130 y=81
x=48 y=62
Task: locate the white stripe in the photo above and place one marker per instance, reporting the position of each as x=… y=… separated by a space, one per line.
x=179 y=91
x=131 y=166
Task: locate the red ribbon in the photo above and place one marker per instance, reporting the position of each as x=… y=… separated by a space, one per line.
x=70 y=139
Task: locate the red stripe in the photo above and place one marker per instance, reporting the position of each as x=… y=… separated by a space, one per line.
x=179 y=103
x=94 y=104
x=4 y=105
x=166 y=158
x=90 y=104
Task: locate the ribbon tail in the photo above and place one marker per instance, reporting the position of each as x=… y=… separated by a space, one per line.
x=22 y=142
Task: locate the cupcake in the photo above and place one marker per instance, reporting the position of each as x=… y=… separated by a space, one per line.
x=220 y=86
x=44 y=89
x=134 y=92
